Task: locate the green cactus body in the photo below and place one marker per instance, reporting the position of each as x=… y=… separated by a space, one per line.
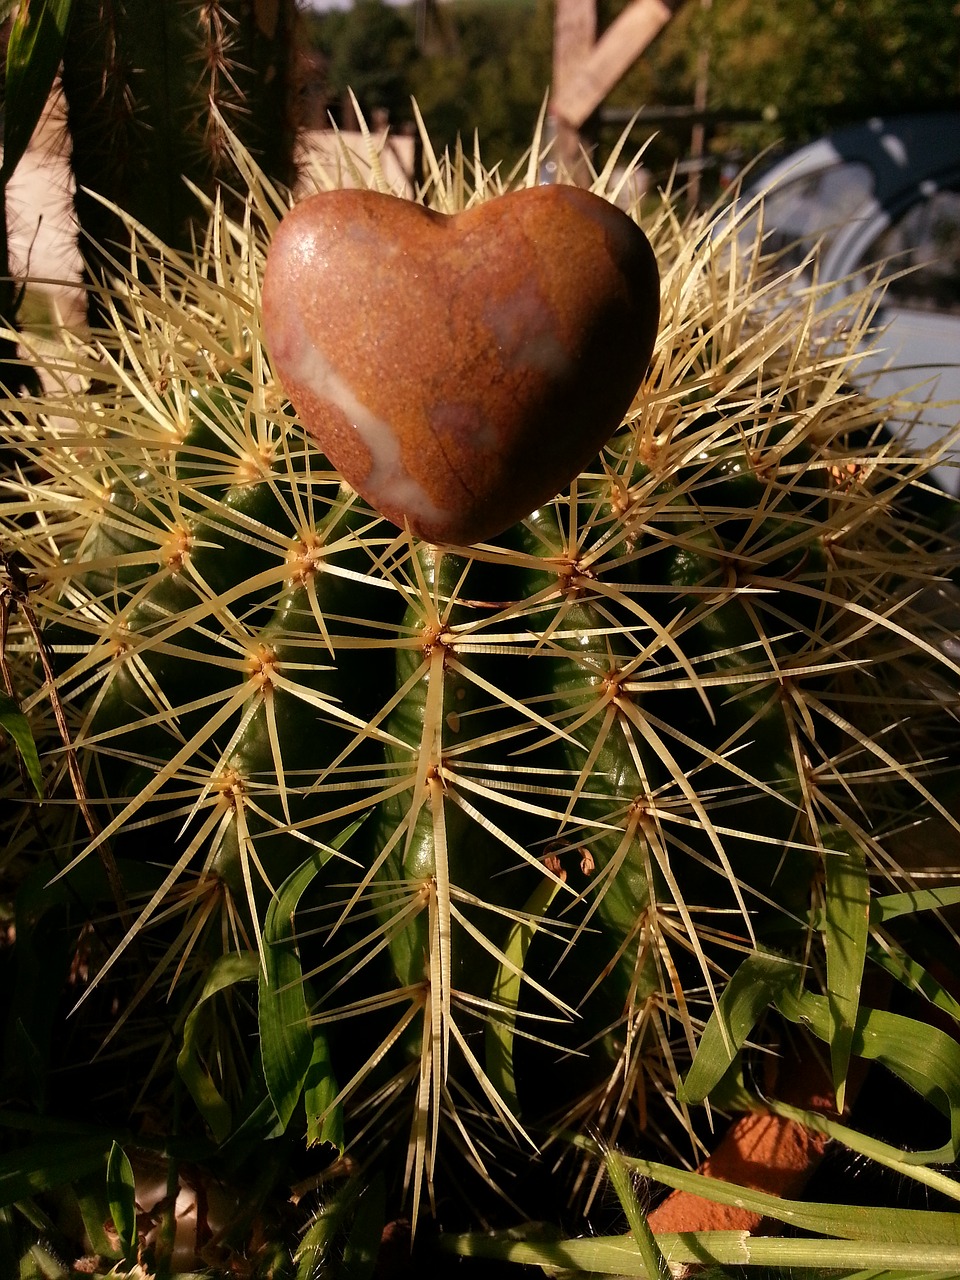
x=223 y=585
x=429 y=844
x=647 y=697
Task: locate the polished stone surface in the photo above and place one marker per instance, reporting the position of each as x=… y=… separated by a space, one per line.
x=459 y=370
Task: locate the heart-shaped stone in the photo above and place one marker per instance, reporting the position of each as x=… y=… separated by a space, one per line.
x=459 y=370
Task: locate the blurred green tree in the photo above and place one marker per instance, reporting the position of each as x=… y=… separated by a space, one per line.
x=800 y=66
x=489 y=71
x=495 y=80
x=370 y=49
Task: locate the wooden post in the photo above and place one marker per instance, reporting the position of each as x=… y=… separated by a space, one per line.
x=698 y=136
x=574 y=36
x=585 y=68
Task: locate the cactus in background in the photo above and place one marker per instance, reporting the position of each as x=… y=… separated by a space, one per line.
x=492 y=827
x=153 y=92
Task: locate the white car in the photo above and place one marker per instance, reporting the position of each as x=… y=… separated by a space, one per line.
x=887 y=190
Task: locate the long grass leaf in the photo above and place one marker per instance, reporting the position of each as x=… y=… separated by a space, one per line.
x=846 y=930
x=500 y=1031
x=847 y=1221
x=618 y=1255
x=16 y=724
x=288 y=1044
x=122 y=1199
x=890 y=1157
x=225 y=972
x=922 y=1055
x=754 y=986
x=913 y=975
x=320 y=1089
x=889 y=906
x=655 y=1264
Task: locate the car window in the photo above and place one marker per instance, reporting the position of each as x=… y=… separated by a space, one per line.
x=813 y=207
x=923 y=249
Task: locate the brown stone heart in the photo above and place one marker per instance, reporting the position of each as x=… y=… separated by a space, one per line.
x=459 y=370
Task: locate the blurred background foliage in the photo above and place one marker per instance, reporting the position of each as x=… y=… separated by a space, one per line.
x=776 y=73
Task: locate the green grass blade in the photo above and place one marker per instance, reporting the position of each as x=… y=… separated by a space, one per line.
x=913 y=975
x=619 y=1174
x=122 y=1199
x=757 y=982
x=618 y=1255
x=15 y=723
x=887 y=1274
x=225 y=972
x=286 y=1041
x=892 y=905
x=846 y=931
x=922 y=1055
x=91 y=1203
x=500 y=1032
x=852 y=1222
x=890 y=1157
x=294 y=1055
x=320 y=1089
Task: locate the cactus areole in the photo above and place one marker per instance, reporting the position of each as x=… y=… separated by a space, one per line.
x=459 y=370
